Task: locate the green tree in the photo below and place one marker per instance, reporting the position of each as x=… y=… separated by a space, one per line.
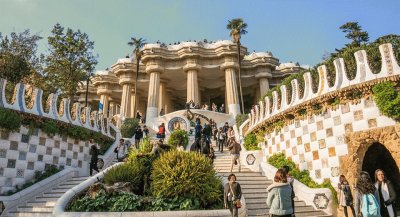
x=18 y=56
x=354 y=32
x=137 y=43
x=69 y=61
x=238 y=28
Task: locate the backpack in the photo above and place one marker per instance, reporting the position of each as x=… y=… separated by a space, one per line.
x=370 y=207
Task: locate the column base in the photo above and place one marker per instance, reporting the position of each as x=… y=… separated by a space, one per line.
x=234 y=109
x=151 y=114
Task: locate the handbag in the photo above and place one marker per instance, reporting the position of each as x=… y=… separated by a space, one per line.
x=237 y=202
x=116 y=150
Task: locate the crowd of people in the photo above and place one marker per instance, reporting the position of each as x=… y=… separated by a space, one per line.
x=213 y=107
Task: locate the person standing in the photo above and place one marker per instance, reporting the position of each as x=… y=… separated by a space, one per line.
x=386 y=193
x=232 y=195
x=279 y=199
x=290 y=180
x=94 y=153
x=162 y=112
x=138 y=136
x=345 y=196
x=235 y=149
x=365 y=191
x=225 y=129
x=220 y=140
x=222 y=108
x=121 y=150
x=145 y=131
x=230 y=135
x=161 y=131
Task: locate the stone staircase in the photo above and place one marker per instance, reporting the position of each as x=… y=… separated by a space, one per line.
x=43 y=204
x=254 y=186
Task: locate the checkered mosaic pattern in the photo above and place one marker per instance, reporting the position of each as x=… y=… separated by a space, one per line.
x=315 y=144
x=22 y=153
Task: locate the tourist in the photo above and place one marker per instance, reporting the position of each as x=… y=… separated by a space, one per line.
x=290 y=180
x=235 y=149
x=345 y=196
x=161 y=131
x=197 y=106
x=207 y=132
x=386 y=194
x=162 y=112
x=220 y=140
x=198 y=128
x=138 y=136
x=211 y=155
x=230 y=135
x=94 y=153
x=138 y=115
x=145 y=131
x=232 y=195
x=365 y=191
x=222 y=108
x=121 y=150
x=225 y=129
x=214 y=107
x=279 y=199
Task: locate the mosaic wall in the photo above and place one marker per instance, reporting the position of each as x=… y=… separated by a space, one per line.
x=22 y=153
x=316 y=144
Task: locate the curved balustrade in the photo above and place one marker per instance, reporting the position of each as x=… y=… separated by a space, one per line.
x=364 y=74
x=62 y=113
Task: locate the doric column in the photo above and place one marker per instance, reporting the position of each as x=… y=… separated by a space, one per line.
x=112 y=110
x=263 y=74
x=192 y=68
x=104 y=94
x=125 y=73
x=155 y=69
x=132 y=111
x=232 y=96
x=161 y=97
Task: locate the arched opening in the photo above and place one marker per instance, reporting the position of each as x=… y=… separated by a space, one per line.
x=379 y=157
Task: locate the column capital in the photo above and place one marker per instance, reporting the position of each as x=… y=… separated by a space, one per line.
x=103 y=91
x=227 y=65
x=154 y=66
x=264 y=74
x=191 y=64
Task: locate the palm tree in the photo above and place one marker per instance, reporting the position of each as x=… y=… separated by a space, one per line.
x=137 y=43
x=238 y=28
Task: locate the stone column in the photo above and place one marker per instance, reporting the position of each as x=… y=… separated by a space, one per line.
x=112 y=109
x=104 y=92
x=132 y=111
x=161 y=97
x=155 y=69
x=126 y=99
x=232 y=94
x=263 y=74
x=124 y=72
x=192 y=68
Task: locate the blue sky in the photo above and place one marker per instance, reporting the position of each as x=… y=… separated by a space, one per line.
x=293 y=30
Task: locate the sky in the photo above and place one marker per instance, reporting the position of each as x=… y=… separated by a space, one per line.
x=293 y=30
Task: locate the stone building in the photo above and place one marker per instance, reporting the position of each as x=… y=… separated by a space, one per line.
x=171 y=75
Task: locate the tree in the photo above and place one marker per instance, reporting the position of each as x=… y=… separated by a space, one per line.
x=18 y=56
x=355 y=33
x=137 y=43
x=238 y=28
x=70 y=60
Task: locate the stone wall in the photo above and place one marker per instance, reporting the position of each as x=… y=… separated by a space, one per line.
x=23 y=153
x=318 y=143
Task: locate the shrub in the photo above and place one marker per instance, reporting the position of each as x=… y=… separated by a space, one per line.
x=10 y=120
x=240 y=119
x=100 y=203
x=250 y=142
x=178 y=138
x=279 y=160
x=145 y=146
x=50 y=128
x=188 y=175
x=387 y=99
x=127 y=172
x=128 y=127
x=125 y=202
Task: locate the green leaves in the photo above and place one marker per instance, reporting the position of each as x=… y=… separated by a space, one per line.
x=250 y=142
x=240 y=119
x=178 y=138
x=387 y=99
x=10 y=120
x=128 y=127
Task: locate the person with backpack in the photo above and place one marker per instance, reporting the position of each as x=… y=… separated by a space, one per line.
x=345 y=196
x=386 y=194
x=279 y=199
x=290 y=180
x=366 y=204
x=232 y=195
x=161 y=131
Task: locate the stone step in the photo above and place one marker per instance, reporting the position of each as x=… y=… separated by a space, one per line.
x=30 y=214
x=248 y=174
x=260 y=195
x=256 y=190
x=255 y=182
x=42 y=203
x=264 y=212
x=35 y=209
x=263 y=187
x=250 y=206
x=51 y=194
x=264 y=200
x=82 y=178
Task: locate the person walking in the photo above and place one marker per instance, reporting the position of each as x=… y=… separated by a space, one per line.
x=220 y=140
x=138 y=136
x=230 y=135
x=366 y=203
x=225 y=129
x=386 y=194
x=232 y=195
x=235 y=149
x=290 y=180
x=279 y=199
x=345 y=196
x=94 y=153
